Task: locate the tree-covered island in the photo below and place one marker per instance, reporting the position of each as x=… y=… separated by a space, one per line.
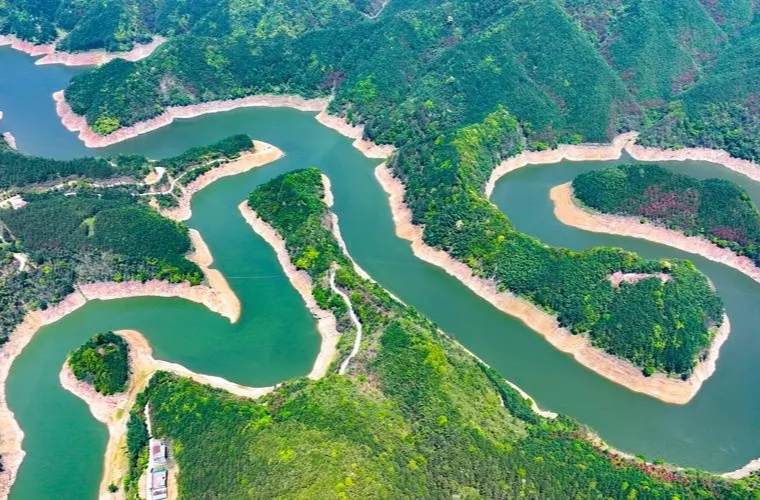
x=103 y=363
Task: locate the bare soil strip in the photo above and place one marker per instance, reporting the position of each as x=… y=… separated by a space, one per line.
x=90 y=58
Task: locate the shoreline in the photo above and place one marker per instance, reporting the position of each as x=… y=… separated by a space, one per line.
x=113 y=411
x=78 y=124
x=570 y=213
x=658 y=386
x=263 y=154
x=221 y=301
x=10 y=140
x=88 y=58
x=301 y=281
x=613 y=151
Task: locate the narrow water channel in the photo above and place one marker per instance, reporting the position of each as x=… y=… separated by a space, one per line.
x=276 y=338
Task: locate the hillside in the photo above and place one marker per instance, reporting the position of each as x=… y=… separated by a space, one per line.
x=416 y=415
x=86 y=232
x=569 y=71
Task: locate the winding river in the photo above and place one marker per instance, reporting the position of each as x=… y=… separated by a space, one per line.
x=276 y=337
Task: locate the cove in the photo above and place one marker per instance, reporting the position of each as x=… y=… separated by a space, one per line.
x=276 y=338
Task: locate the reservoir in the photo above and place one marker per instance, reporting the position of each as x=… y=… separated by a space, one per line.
x=276 y=338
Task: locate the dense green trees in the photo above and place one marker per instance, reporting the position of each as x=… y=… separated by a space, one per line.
x=119 y=25
x=568 y=70
x=719 y=210
x=88 y=233
x=417 y=416
x=227 y=149
x=19 y=170
x=102 y=362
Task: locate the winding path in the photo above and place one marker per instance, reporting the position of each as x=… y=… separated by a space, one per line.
x=357 y=323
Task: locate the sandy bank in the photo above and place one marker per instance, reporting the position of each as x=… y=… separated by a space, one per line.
x=10 y=140
x=744 y=167
x=581 y=152
x=356 y=132
x=301 y=281
x=90 y=58
x=570 y=213
x=612 y=151
x=263 y=154
x=619 y=371
x=76 y=123
x=113 y=411
x=216 y=296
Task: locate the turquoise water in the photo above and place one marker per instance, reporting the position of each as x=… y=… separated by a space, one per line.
x=276 y=338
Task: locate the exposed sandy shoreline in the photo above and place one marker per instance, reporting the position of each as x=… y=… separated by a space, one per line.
x=301 y=281
x=10 y=140
x=581 y=152
x=76 y=123
x=217 y=296
x=356 y=132
x=568 y=211
x=658 y=386
x=90 y=58
x=113 y=411
x=612 y=151
x=263 y=154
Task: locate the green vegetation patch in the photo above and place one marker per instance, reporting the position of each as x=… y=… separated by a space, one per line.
x=103 y=363
x=716 y=209
x=19 y=170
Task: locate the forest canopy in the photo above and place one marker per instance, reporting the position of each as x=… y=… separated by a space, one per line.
x=568 y=70
x=444 y=182
x=716 y=209
x=103 y=363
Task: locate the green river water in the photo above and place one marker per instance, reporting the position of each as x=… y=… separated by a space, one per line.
x=276 y=338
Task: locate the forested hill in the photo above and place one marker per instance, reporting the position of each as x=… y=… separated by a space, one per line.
x=415 y=417
x=685 y=72
x=716 y=209
x=657 y=325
